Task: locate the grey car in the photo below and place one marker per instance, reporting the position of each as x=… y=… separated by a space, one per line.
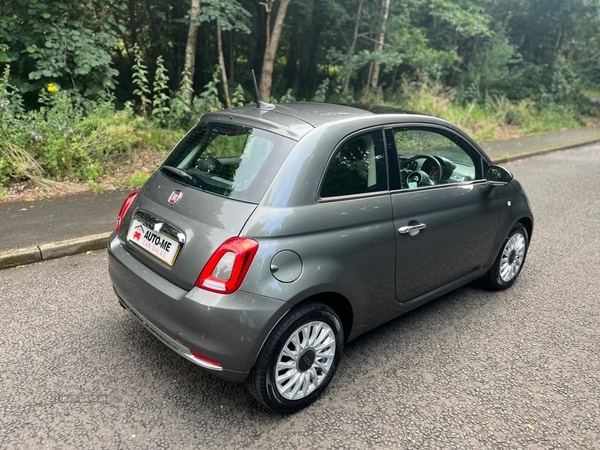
x=272 y=235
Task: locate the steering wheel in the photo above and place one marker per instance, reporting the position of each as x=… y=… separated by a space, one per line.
x=426 y=179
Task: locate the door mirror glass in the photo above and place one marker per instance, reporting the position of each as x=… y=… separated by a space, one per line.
x=498 y=176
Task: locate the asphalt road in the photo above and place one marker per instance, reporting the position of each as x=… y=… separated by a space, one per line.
x=473 y=369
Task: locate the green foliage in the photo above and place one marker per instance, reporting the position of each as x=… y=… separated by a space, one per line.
x=549 y=48
x=160 y=100
x=134 y=181
x=486 y=121
x=231 y=14
x=493 y=71
x=487 y=65
x=11 y=107
x=182 y=116
x=65 y=42
x=288 y=97
x=180 y=113
x=208 y=100
x=532 y=118
x=321 y=94
x=238 y=98
x=140 y=79
x=465 y=17
x=62 y=141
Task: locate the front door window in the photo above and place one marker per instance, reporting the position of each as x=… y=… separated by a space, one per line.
x=434 y=157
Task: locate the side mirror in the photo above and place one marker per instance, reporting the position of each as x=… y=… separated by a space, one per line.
x=498 y=176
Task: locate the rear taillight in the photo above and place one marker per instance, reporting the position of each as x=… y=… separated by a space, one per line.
x=126 y=204
x=226 y=268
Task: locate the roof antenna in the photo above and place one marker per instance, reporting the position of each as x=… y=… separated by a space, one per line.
x=259 y=103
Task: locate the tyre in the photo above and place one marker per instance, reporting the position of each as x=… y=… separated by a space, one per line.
x=510 y=260
x=298 y=359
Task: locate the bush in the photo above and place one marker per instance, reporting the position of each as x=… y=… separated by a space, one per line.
x=62 y=141
x=490 y=119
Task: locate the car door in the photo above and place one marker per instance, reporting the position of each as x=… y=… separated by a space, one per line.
x=445 y=227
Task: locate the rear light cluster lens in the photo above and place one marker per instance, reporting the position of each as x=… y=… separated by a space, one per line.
x=226 y=268
x=126 y=204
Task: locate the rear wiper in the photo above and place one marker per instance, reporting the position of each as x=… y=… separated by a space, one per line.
x=178 y=172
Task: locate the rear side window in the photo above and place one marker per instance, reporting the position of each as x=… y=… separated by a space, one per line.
x=357 y=168
x=228 y=160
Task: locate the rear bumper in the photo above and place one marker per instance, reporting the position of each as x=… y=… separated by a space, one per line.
x=227 y=328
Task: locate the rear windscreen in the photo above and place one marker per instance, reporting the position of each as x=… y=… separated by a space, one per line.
x=229 y=160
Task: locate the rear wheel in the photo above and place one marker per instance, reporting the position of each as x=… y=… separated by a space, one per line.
x=510 y=261
x=298 y=359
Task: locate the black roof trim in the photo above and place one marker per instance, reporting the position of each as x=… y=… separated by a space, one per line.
x=380 y=109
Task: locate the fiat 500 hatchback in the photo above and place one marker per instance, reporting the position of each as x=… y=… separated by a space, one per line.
x=272 y=235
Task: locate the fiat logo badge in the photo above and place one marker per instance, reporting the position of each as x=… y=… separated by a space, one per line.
x=175 y=196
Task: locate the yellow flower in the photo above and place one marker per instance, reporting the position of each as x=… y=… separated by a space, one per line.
x=52 y=87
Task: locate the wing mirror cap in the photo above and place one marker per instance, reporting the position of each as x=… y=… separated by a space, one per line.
x=498 y=176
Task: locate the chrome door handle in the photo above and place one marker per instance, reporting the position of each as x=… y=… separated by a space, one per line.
x=411 y=229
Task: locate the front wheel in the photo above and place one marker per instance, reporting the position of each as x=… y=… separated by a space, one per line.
x=298 y=359
x=509 y=262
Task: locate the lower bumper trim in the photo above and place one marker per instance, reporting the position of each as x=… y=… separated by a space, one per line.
x=168 y=341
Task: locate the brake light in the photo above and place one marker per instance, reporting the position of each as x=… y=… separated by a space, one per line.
x=126 y=204
x=226 y=268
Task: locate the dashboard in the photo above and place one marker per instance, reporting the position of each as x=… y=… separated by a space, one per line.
x=429 y=170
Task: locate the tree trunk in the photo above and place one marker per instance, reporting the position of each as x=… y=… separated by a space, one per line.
x=291 y=65
x=190 y=48
x=266 y=77
x=385 y=12
x=222 y=64
x=231 y=56
x=306 y=74
x=353 y=45
x=558 y=41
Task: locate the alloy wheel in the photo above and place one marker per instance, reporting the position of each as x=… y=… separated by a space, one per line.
x=512 y=257
x=305 y=360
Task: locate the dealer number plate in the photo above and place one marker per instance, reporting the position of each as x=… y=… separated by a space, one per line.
x=157 y=244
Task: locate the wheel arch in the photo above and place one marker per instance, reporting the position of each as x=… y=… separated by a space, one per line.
x=340 y=305
x=527 y=222
x=334 y=300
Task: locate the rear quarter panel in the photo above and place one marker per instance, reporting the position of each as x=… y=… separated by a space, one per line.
x=346 y=245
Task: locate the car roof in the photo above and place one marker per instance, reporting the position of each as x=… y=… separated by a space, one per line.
x=294 y=120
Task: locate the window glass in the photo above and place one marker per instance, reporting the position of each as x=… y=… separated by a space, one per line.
x=357 y=168
x=429 y=158
x=229 y=160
